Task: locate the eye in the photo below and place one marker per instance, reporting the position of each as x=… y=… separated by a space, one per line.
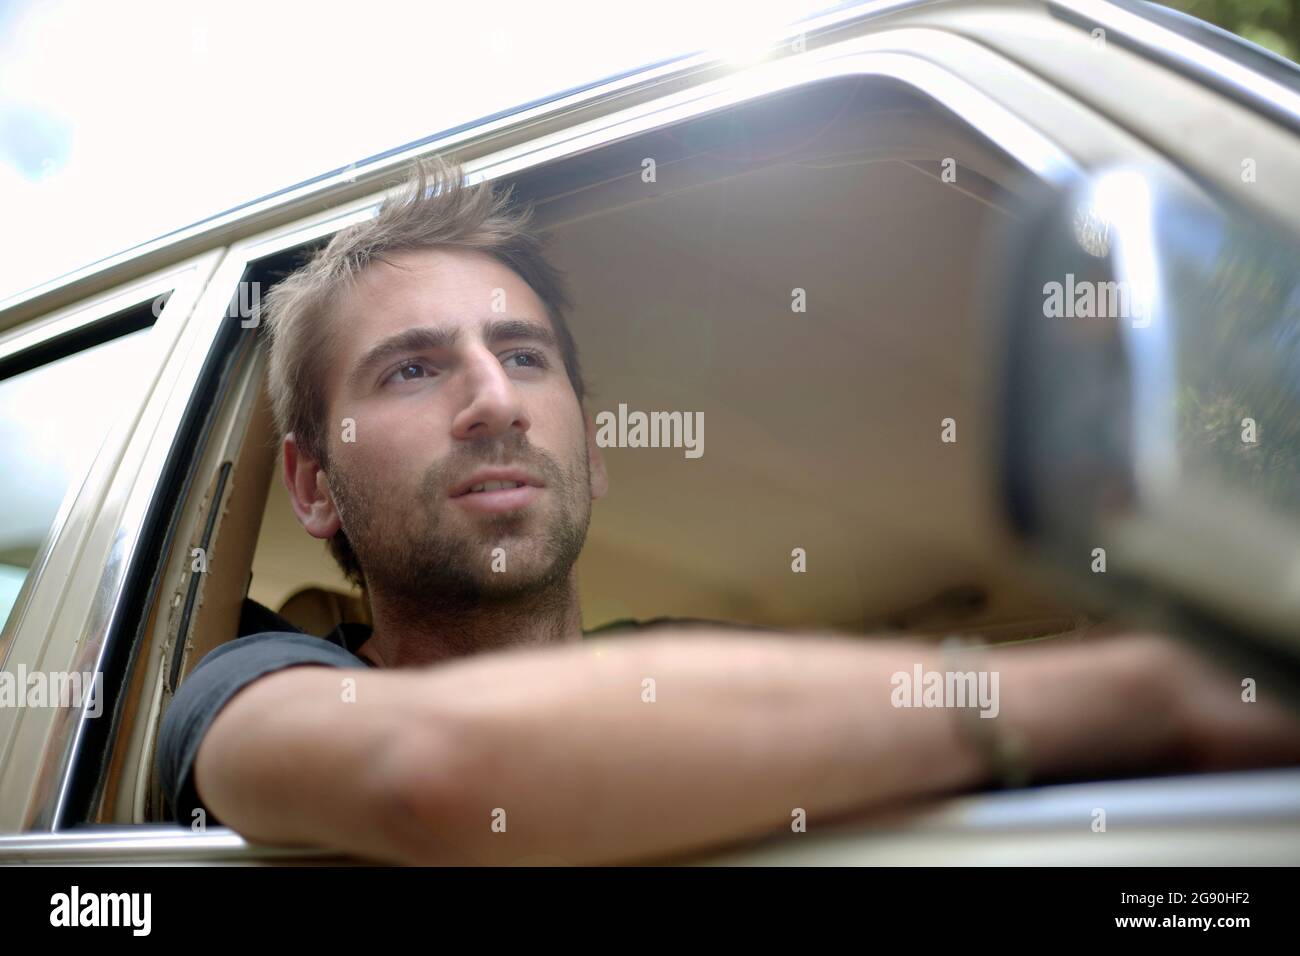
x=408 y=371
x=529 y=358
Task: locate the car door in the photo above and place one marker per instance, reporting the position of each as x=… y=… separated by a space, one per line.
x=98 y=597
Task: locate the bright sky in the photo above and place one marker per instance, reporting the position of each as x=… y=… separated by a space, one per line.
x=122 y=121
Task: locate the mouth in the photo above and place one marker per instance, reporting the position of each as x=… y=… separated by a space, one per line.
x=496 y=491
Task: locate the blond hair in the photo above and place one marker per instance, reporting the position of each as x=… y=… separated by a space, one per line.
x=434 y=210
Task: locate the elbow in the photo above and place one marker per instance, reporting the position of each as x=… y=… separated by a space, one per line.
x=427 y=811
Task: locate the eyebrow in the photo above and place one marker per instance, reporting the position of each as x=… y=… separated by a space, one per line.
x=428 y=339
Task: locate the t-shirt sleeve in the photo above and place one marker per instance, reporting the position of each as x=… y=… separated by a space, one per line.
x=218 y=677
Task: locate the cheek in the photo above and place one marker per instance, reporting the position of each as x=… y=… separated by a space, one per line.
x=577 y=462
x=559 y=430
x=389 y=452
x=568 y=434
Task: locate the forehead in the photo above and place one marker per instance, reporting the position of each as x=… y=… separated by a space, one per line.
x=440 y=288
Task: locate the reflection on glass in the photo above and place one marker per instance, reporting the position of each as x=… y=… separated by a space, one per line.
x=1237 y=298
x=52 y=422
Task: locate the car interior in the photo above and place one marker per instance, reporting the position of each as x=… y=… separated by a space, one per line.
x=824 y=425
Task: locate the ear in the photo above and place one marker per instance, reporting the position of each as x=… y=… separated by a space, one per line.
x=309 y=492
x=596 y=462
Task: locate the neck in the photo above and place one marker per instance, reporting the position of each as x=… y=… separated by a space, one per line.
x=408 y=636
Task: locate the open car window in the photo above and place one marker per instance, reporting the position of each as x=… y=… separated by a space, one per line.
x=811 y=249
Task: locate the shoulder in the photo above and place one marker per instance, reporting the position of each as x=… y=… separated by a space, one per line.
x=227 y=669
x=269 y=647
x=222 y=674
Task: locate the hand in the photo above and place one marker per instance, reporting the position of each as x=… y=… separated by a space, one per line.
x=1221 y=731
x=1125 y=704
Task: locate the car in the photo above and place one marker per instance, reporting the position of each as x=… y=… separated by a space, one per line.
x=823 y=227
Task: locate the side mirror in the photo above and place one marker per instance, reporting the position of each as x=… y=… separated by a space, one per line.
x=1150 y=410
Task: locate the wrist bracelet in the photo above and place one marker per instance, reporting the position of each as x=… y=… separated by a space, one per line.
x=1005 y=750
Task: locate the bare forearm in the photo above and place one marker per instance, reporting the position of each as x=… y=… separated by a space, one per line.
x=638 y=748
x=577 y=757
x=309 y=756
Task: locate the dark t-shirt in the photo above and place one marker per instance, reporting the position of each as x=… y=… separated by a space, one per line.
x=228 y=669
x=220 y=676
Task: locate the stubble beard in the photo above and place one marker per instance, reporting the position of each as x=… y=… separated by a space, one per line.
x=427 y=562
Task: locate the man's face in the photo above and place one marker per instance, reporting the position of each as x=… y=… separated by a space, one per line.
x=468 y=476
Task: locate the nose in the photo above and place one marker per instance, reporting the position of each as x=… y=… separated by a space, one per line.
x=492 y=404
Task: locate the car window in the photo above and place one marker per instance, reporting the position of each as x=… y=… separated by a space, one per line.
x=53 y=419
x=679 y=306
